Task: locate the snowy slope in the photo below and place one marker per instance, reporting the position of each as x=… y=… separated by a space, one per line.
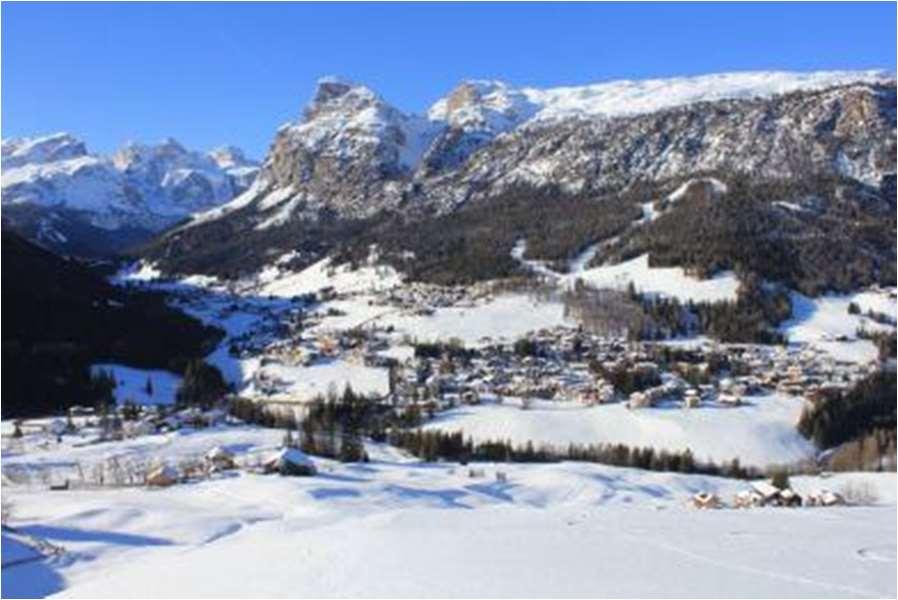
x=496 y=107
x=759 y=433
x=820 y=321
x=617 y=98
x=131 y=384
x=672 y=282
x=408 y=529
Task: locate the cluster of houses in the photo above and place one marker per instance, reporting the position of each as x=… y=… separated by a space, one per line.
x=422 y=298
x=763 y=493
x=286 y=461
x=568 y=365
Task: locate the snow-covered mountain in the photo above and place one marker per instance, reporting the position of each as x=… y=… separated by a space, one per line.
x=57 y=193
x=352 y=155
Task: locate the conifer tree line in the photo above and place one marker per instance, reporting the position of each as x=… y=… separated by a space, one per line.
x=867 y=407
x=432 y=445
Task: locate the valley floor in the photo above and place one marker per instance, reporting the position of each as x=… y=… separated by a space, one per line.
x=400 y=527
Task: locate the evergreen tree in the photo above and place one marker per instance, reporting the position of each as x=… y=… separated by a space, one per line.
x=202 y=385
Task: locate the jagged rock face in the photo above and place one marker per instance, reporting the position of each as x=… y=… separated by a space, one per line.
x=353 y=155
x=58 y=194
x=846 y=131
x=346 y=154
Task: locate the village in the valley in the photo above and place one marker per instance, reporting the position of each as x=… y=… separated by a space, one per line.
x=289 y=351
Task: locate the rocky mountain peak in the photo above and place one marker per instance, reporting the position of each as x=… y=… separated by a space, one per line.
x=483 y=105
x=229 y=157
x=41 y=150
x=341 y=97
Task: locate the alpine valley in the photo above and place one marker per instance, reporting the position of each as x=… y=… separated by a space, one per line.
x=585 y=315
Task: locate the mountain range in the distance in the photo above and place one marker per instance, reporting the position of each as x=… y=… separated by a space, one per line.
x=354 y=166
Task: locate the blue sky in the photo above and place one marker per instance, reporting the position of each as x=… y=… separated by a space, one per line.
x=209 y=73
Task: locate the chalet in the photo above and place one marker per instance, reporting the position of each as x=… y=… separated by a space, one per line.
x=706 y=500
x=729 y=400
x=639 y=400
x=219 y=459
x=162 y=476
x=289 y=461
x=824 y=498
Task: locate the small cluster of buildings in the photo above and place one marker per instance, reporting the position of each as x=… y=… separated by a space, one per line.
x=763 y=493
x=422 y=298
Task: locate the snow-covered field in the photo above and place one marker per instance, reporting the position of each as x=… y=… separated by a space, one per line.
x=760 y=433
x=504 y=317
x=401 y=528
x=131 y=384
x=664 y=281
x=820 y=321
x=670 y=282
x=306 y=383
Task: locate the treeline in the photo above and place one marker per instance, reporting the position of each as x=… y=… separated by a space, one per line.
x=234 y=247
x=332 y=425
x=752 y=318
x=885 y=342
x=432 y=445
x=842 y=237
x=874 y=451
x=474 y=243
x=60 y=317
x=867 y=407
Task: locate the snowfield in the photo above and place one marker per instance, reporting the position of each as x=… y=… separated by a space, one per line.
x=760 y=433
x=131 y=384
x=306 y=383
x=502 y=318
x=662 y=281
x=670 y=282
x=396 y=527
x=820 y=321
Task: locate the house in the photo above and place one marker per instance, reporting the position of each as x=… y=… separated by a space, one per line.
x=789 y=498
x=729 y=399
x=639 y=400
x=706 y=500
x=220 y=459
x=289 y=461
x=748 y=499
x=824 y=498
x=162 y=476
x=768 y=492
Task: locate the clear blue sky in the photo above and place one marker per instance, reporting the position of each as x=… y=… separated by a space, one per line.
x=209 y=73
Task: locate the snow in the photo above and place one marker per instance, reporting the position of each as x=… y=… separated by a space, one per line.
x=342 y=278
x=663 y=281
x=131 y=384
x=496 y=107
x=501 y=318
x=618 y=98
x=304 y=383
x=149 y=186
x=403 y=528
x=759 y=433
x=718 y=186
x=819 y=321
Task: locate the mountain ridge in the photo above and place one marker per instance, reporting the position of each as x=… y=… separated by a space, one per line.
x=353 y=158
x=57 y=193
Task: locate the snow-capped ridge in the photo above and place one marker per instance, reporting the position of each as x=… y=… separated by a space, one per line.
x=141 y=186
